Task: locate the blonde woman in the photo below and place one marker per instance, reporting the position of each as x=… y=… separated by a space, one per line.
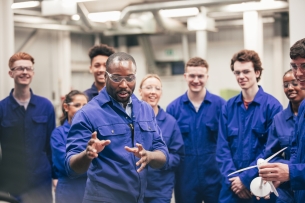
x=160 y=183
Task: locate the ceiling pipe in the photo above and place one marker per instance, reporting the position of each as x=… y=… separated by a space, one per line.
x=171 y=5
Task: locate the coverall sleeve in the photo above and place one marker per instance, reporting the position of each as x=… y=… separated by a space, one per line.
x=223 y=152
x=159 y=144
x=273 y=145
x=296 y=170
x=58 y=145
x=50 y=127
x=175 y=148
x=247 y=176
x=77 y=140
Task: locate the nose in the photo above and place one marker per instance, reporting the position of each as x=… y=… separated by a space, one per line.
x=290 y=86
x=298 y=72
x=123 y=83
x=196 y=79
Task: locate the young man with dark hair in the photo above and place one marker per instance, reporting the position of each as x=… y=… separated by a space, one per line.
x=197 y=113
x=243 y=129
x=98 y=56
x=114 y=137
x=295 y=170
x=26 y=124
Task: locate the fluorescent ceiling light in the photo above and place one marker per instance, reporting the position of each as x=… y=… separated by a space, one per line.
x=75 y=17
x=256 y=6
x=105 y=16
x=27 y=4
x=169 y=13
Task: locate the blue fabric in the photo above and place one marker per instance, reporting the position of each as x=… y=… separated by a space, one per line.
x=91 y=92
x=198 y=176
x=280 y=135
x=67 y=190
x=25 y=139
x=160 y=183
x=112 y=176
x=242 y=137
x=297 y=158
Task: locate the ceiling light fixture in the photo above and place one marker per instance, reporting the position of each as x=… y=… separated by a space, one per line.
x=105 y=16
x=180 y=12
x=75 y=17
x=27 y=4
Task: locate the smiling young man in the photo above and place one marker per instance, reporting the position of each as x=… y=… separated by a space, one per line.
x=197 y=113
x=27 y=121
x=243 y=130
x=98 y=56
x=110 y=138
x=294 y=171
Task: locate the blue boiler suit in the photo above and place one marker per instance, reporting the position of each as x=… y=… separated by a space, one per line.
x=91 y=92
x=198 y=177
x=280 y=135
x=67 y=189
x=112 y=176
x=160 y=183
x=241 y=140
x=297 y=157
x=25 y=168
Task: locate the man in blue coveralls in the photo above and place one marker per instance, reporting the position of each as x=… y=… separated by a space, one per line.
x=109 y=137
x=27 y=121
x=243 y=128
x=197 y=113
x=98 y=55
x=294 y=171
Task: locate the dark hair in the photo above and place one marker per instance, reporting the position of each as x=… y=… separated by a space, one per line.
x=298 y=49
x=120 y=56
x=20 y=56
x=197 y=62
x=101 y=49
x=290 y=70
x=69 y=98
x=248 y=56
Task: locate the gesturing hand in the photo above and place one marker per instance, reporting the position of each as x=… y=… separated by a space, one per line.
x=141 y=153
x=95 y=146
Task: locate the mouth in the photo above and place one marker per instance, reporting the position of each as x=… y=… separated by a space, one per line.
x=123 y=94
x=292 y=95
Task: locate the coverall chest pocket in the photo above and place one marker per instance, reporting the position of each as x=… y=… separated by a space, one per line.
x=233 y=139
x=285 y=140
x=8 y=129
x=212 y=130
x=148 y=129
x=187 y=139
x=117 y=134
x=40 y=127
x=261 y=133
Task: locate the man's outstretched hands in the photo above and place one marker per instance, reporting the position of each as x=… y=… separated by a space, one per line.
x=141 y=153
x=95 y=146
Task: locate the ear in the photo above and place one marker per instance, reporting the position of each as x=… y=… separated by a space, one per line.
x=90 y=69
x=185 y=76
x=66 y=107
x=257 y=73
x=11 y=74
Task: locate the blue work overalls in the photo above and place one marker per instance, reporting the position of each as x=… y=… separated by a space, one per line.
x=160 y=183
x=67 y=189
x=198 y=177
x=25 y=168
x=113 y=176
x=297 y=158
x=91 y=92
x=280 y=135
x=242 y=137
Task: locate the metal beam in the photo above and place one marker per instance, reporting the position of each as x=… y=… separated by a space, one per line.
x=171 y=5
